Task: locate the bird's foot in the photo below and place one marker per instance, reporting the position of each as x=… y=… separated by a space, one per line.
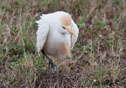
x=55 y=69
x=48 y=71
x=51 y=66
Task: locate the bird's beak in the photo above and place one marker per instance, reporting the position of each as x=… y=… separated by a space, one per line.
x=70 y=31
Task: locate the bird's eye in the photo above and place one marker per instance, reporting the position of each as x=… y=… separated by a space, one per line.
x=63 y=27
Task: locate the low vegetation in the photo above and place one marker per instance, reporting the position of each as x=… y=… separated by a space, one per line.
x=99 y=57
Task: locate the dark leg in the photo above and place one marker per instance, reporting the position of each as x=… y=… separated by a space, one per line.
x=50 y=65
x=57 y=76
x=54 y=67
x=50 y=62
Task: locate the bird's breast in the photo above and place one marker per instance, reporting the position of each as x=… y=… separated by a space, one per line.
x=58 y=45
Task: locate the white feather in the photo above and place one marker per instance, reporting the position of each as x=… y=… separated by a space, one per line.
x=76 y=31
x=42 y=32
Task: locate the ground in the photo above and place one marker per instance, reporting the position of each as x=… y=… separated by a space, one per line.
x=98 y=58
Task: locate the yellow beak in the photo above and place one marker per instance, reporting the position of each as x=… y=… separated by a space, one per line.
x=70 y=31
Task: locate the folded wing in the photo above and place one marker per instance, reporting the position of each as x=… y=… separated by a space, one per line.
x=42 y=33
x=74 y=38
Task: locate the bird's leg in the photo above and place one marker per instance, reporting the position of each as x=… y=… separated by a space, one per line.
x=50 y=64
x=56 y=70
x=54 y=67
x=57 y=76
x=48 y=72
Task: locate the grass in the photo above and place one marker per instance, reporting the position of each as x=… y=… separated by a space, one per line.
x=98 y=56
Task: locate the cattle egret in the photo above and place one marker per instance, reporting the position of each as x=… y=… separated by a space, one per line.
x=56 y=35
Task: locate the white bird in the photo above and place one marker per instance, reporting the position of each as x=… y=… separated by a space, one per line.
x=56 y=35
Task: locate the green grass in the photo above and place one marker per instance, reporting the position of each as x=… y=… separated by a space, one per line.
x=98 y=56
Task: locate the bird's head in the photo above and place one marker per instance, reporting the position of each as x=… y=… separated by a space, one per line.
x=66 y=24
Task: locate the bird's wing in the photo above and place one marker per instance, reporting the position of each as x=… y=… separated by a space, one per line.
x=74 y=38
x=42 y=32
